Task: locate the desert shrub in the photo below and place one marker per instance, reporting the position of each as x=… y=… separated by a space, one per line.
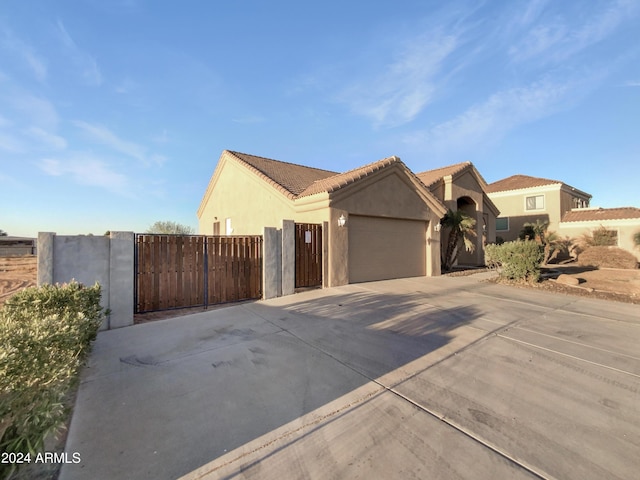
x=607 y=257
x=519 y=260
x=45 y=335
x=600 y=237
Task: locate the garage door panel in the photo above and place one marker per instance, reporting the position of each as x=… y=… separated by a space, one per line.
x=384 y=248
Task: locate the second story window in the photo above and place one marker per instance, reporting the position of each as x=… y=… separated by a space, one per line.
x=534 y=203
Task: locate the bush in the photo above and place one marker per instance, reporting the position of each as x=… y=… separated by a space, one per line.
x=45 y=335
x=600 y=237
x=519 y=260
x=608 y=257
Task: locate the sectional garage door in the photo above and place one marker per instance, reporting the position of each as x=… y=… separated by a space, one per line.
x=383 y=248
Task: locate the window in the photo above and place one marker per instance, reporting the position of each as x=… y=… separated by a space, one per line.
x=534 y=203
x=502 y=224
x=227 y=224
x=216 y=228
x=580 y=202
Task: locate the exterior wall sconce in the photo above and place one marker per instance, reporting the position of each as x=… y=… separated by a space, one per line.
x=342 y=221
x=437 y=227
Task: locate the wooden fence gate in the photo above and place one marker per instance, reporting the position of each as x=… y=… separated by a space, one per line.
x=308 y=255
x=178 y=271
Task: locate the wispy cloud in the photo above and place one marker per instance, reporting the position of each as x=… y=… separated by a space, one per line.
x=35 y=110
x=632 y=83
x=87 y=65
x=88 y=170
x=486 y=123
x=106 y=137
x=554 y=37
x=405 y=86
x=47 y=139
x=26 y=53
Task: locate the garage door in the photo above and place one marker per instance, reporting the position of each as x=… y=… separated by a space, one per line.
x=383 y=248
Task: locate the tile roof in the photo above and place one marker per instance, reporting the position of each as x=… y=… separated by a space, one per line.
x=516 y=182
x=296 y=181
x=597 y=214
x=289 y=178
x=331 y=184
x=432 y=176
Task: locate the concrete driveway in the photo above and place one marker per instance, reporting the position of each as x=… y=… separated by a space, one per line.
x=413 y=378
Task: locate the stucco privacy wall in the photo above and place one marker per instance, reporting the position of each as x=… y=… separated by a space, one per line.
x=108 y=260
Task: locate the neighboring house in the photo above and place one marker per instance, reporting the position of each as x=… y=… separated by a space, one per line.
x=522 y=199
x=390 y=214
x=461 y=187
x=623 y=222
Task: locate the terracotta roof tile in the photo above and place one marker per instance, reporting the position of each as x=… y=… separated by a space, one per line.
x=516 y=182
x=432 y=176
x=331 y=184
x=289 y=178
x=597 y=214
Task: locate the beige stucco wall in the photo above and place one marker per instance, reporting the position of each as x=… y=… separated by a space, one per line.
x=249 y=201
x=558 y=199
x=625 y=228
x=512 y=205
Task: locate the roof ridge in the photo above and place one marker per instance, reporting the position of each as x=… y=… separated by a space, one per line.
x=235 y=153
x=339 y=180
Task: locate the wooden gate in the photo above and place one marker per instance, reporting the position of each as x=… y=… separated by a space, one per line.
x=178 y=271
x=308 y=255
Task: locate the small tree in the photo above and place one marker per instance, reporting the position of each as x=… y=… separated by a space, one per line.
x=636 y=239
x=552 y=244
x=169 y=228
x=3 y=233
x=461 y=227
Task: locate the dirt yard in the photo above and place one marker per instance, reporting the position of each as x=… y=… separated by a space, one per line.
x=17 y=273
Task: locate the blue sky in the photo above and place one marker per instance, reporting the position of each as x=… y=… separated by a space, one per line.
x=113 y=114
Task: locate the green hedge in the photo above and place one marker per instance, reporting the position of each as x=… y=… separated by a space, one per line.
x=519 y=260
x=45 y=335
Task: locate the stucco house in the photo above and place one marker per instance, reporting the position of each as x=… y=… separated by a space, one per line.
x=379 y=220
x=461 y=187
x=523 y=199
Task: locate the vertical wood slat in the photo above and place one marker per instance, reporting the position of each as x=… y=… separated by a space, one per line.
x=308 y=268
x=171 y=273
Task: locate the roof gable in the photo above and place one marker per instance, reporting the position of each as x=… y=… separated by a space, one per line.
x=335 y=182
x=430 y=177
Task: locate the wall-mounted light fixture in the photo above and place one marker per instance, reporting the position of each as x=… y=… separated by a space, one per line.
x=342 y=221
x=437 y=227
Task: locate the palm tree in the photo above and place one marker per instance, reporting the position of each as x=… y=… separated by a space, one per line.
x=461 y=227
x=550 y=241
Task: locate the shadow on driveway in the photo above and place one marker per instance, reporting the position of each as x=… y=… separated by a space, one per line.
x=161 y=399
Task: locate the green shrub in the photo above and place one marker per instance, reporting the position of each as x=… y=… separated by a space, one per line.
x=519 y=260
x=45 y=335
